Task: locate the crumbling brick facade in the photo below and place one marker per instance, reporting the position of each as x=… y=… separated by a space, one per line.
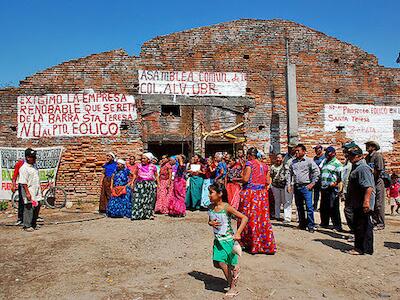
x=329 y=71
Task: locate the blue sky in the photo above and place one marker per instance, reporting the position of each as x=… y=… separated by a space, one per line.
x=37 y=34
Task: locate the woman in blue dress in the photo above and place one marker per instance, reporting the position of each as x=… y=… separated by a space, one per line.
x=120 y=204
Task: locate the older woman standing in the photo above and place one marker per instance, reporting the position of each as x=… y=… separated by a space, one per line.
x=257 y=237
x=120 y=204
x=164 y=189
x=144 y=197
x=109 y=168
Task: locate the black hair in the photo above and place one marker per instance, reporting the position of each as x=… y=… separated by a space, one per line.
x=219 y=188
x=301 y=146
x=252 y=151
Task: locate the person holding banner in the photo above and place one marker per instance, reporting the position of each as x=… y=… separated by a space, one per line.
x=14 y=187
x=109 y=168
x=30 y=188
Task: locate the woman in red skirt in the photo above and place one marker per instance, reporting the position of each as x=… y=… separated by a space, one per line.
x=257 y=237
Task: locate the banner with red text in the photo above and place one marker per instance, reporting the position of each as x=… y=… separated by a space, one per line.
x=188 y=83
x=363 y=122
x=47 y=162
x=57 y=115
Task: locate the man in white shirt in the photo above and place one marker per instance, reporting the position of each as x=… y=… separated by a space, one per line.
x=30 y=188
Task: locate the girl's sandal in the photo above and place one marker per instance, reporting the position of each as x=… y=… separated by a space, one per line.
x=231 y=294
x=235 y=276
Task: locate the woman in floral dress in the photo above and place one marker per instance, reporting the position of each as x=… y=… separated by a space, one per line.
x=120 y=203
x=144 y=196
x=257 y=237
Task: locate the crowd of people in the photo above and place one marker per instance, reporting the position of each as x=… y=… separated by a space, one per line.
x=247 y=188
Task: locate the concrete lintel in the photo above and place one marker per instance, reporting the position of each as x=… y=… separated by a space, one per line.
x=200 y=101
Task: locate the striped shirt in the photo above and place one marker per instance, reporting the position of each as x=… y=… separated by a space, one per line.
x=331 y=171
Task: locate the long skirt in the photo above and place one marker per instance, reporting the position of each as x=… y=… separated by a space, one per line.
x=257 y=236
x=194 y=192
x=121 y=206
x=163 y=197
x=105 y=194
x=233 y=190
x=143 y=200
x=205 y=199
x=177 y=206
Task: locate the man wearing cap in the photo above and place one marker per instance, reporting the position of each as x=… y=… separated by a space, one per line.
x=319 y=158
x=376 y=162
x=348 y=209
x=303 y=175
x=330 y=179
x=30 y=188
x=360 y=192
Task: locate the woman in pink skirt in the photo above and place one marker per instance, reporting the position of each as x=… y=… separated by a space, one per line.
x=177 y=206
x=232 y=182
x=164 y=189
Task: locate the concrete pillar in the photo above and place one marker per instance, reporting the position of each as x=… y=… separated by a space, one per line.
x=292 y=113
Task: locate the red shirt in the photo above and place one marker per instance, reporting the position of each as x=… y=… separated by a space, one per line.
x=18 y=166
x=394 y=190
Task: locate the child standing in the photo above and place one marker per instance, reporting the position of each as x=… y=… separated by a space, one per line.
x=220 y=214
x=393 y=193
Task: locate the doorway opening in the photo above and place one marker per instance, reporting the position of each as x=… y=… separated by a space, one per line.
x=213 y=147
x=169 y=148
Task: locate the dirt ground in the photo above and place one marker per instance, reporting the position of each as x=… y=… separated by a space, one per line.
x=81 y=255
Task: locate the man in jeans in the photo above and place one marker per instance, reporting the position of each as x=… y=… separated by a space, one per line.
x=30 y=190
x=303 y=175
x=331 y=173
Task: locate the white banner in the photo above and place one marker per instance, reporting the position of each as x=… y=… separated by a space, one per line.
x=188 y=83
x=56 y=115
x=363 y=122
x=47 y=163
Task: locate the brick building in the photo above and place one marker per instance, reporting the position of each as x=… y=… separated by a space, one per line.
x=327 y=72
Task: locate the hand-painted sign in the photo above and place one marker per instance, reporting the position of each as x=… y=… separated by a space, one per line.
x=188 y=83
x=47 y=163
x=56 y=115
x=363 y=122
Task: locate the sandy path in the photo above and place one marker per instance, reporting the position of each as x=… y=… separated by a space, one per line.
x=171 y=259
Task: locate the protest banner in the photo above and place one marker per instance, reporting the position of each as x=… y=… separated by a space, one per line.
x=363 y=122
x=58 y=115
x=190 y=83
x=47 y=162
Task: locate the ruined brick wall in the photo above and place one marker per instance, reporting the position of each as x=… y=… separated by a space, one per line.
x=80 y=169
x=328 y=71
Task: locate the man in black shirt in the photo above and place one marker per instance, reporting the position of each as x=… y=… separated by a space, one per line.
x=360 y=192
x=375 y=160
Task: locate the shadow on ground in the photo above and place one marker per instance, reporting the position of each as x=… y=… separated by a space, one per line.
x=337 y=245
x=392 y=245
x=211 y=282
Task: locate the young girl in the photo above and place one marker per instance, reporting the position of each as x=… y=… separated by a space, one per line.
x=393 y=193
x=220 y=214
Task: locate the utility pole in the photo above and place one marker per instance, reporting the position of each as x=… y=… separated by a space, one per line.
x=291 y=99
